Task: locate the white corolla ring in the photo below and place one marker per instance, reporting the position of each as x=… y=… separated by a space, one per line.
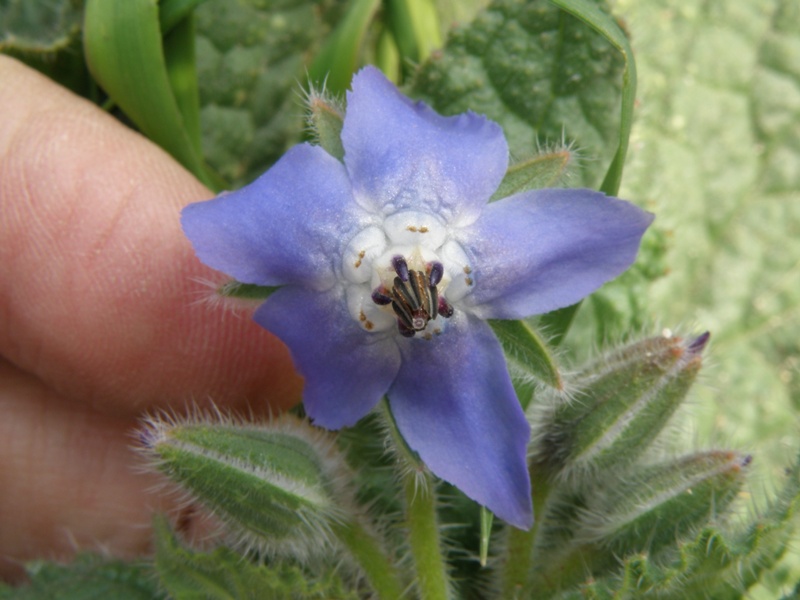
x=397 y=275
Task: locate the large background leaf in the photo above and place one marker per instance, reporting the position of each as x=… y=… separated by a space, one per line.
x=715 y=153
x=539 y=72
x=252 y=57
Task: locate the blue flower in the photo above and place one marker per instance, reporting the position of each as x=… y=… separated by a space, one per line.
x=390 y=264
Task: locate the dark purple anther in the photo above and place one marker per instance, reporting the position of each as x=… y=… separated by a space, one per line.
x=747 y=460
x=699 y=343
x=435 y=276
x=379 y=297
x=445 y=309
x=400 y=267
x=404 y=330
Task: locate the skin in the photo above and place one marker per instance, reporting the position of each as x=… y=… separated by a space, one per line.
x=99 y=323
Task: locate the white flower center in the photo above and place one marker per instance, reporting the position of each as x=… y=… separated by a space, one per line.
x=407 y=274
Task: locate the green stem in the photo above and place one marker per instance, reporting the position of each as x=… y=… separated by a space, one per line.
x=519 y=551
x=423 y=526
x=379 y=570
x=426 y=546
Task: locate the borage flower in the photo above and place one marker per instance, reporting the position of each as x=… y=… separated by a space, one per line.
x=391 y=262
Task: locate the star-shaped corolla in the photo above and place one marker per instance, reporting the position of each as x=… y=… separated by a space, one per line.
x=390 y=264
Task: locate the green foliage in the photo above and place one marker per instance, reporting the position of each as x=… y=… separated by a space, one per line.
x=223 y=575
x=741 y=554
x=251 y=57
x=638 y=525
x=547 y=168
x=46 y=35
x=527 y=354
x=717 y=158
x=154 y=83
x=88 y=577
x=568 y=86
x=339 y=58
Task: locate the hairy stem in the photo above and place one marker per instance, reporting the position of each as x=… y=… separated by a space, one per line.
x=519 y=550
x=379 y=570
x=426 y=546
x=423 y=527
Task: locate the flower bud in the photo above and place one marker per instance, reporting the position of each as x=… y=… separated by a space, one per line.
x=624 y=400
x=662 y=503
x=276 y=485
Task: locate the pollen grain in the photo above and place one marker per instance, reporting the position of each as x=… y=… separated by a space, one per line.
x=361 y=256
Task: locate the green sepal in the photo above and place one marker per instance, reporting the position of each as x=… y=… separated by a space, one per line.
x=338 y=58
x=123 y=47
x=245 y=291
x=626 y=398
x=527 y=353
x=540 y=171
x=224 y=574
x=277 y=485
x=656 y=505
x=325 y=119
x=487 y=518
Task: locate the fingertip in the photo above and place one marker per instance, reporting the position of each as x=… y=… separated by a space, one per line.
x=97 y=281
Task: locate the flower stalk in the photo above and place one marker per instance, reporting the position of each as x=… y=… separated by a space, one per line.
x=424 y=538
x=379 y=570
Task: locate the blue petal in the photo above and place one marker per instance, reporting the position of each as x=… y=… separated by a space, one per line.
x=542 y=250
x=454 y=404
x=346 y=369
x=402 y=155
x=288 y=226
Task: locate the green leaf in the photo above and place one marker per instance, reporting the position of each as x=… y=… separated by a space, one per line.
x=226 y=575
x=339 y=57
x=590 y=13
x=526 y=352
x=122 y=42
x=252 y=58
x=415 y=26
x=46 y=35
x=180 y=61
x=172 y=12
x=539 y=72
x=717 y=158
x=88 y=577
